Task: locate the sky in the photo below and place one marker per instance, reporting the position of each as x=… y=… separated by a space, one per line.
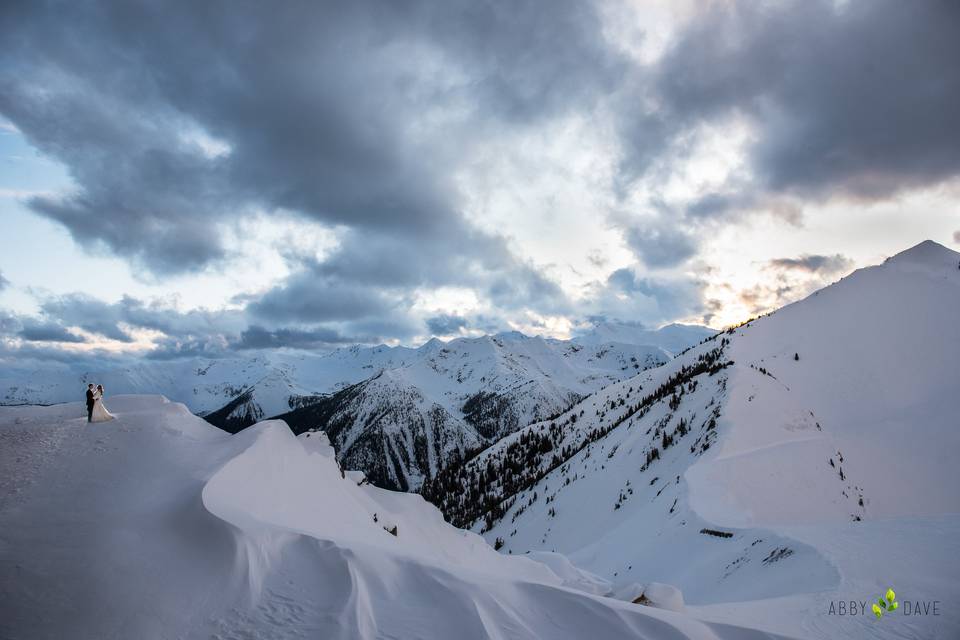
x=181 y=179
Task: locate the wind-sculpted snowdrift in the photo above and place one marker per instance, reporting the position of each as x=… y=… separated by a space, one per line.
x=393 y=567
x=158 y=525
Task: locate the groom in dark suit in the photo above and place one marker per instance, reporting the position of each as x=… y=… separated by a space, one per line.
x=89 y=402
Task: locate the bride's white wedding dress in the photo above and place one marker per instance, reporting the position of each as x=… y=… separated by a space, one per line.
x=100 y=413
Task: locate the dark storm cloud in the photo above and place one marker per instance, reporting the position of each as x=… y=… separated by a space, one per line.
x=852 y=99
x=112 y=319
x=385 y=268
x=448 y=252
x=88 y=313
x=446 y=324
x=627 y=281
x=814 y=263
x=176 y=120
x=256 y=337
x=525 y=286
x=627 y=296
x=660 y=244
x=47 y=332
x=310 y=297
x=352 y=316
x=326 y=109
x=858 y=97
x=34 y=329
x=185 y=335
x=14 y=326
x=17 y=355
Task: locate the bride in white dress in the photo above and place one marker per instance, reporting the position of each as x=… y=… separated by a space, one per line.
x=100 y=413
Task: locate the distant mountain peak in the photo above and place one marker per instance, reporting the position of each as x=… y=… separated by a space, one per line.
x=511 y=335
x=927 y=252
x=433 y=344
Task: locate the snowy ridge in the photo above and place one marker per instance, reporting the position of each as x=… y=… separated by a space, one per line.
x=159 y=525
x=812 y=435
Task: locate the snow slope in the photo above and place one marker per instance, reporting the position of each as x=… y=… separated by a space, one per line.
x=805 y=458
x=159 y=525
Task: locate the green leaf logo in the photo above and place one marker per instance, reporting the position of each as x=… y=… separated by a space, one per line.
x=891 y=600
x=887 y=603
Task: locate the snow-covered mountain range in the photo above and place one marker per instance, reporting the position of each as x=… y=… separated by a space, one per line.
x=279 y=378
x=405 y=423
x=397 y=413
x=808 y=456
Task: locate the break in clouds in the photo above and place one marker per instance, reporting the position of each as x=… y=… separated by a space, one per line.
x=177 y=124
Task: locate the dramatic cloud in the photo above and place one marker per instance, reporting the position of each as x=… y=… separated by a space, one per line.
x=784 y=280
x=660 y=244
x=852 y=96
x=4 y=283
x=47 y=332
x=839 y=99
x=260 y=338
x=25 y=338
x=525 y=286
x=90 y=314
x=173 y=121
x=353 y=116
x=115 y=320
x=309 y=298
x=22 y=354
x=34 y=330
x=814 y=263
x=445 y=325
x=180 y=123
x=626 y=296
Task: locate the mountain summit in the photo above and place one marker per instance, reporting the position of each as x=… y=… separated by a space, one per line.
x=929 y=253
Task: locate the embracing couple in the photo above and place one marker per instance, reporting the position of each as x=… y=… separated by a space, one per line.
x=96 y=412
